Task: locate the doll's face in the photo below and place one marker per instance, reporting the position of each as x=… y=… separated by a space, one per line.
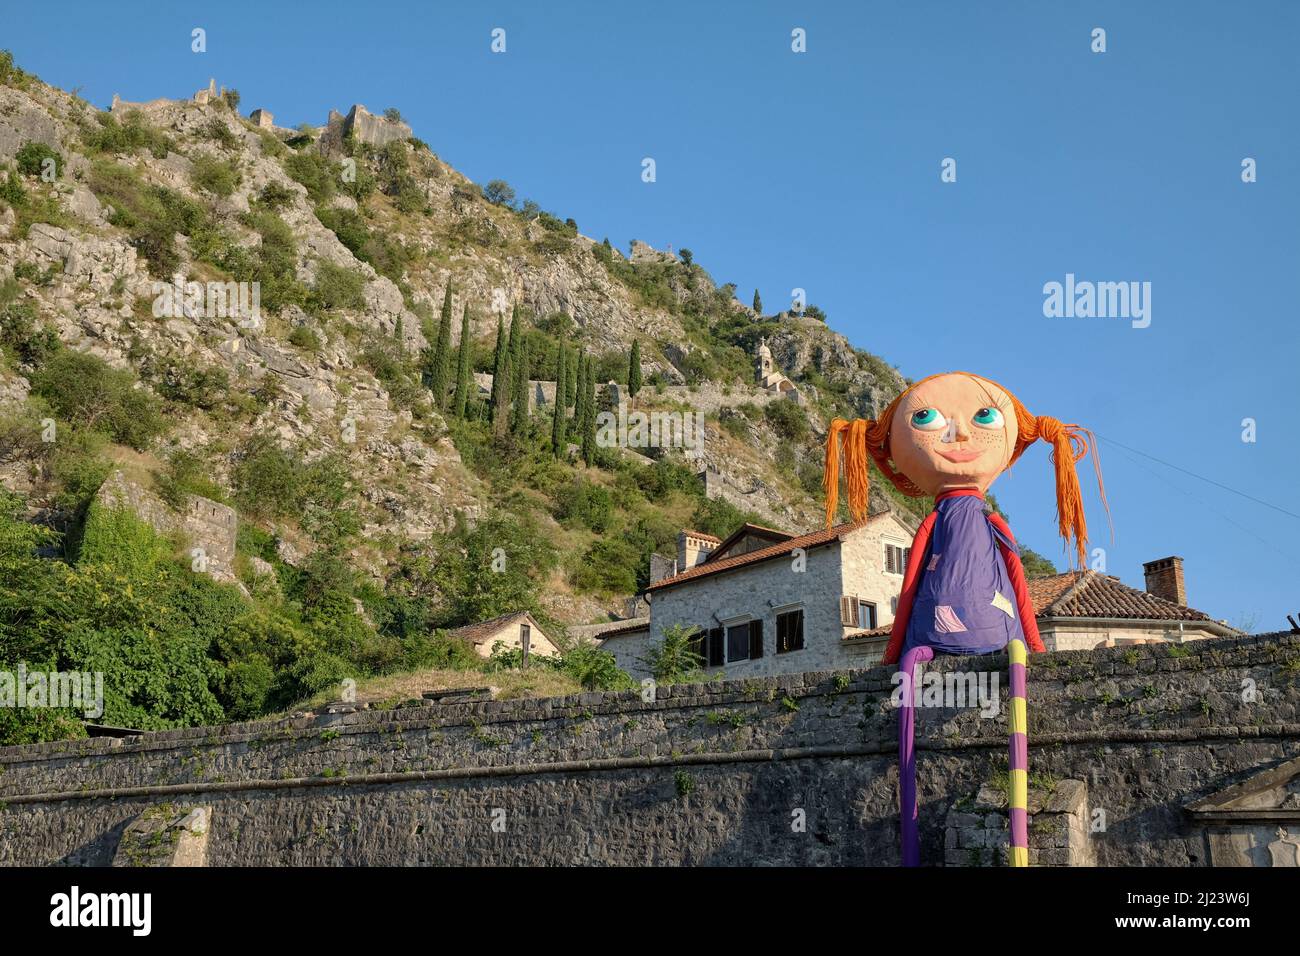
x=953 y=432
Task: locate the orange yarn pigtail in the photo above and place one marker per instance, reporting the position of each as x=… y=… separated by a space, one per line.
x=1069 y=446
x=831 y=473
x=856 y=472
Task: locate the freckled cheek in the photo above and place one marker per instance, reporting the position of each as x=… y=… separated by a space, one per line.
x=990 y=441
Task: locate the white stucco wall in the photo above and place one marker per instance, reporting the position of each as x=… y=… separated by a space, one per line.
x=1085 y=635
x=864 y=565
x=508 y=634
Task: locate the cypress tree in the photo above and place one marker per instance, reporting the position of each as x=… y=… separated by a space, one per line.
x=557 y=414
x=589 y=417
x=460 y=403
x=579 y=406
x=498 y=367
x=571 y=386
x=440 y=375
x=634 y=369
x=519 y=415
x=758 y=303
x=501 y=416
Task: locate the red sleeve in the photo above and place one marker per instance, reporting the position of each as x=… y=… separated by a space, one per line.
x=911 y=581
x=1016 y=571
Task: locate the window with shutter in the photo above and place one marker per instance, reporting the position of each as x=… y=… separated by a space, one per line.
x=738 y=642
x=755 y=640
x=717 y=650
x=847 y=603
x=866 y=615
x=698 y=644
x=789 y=631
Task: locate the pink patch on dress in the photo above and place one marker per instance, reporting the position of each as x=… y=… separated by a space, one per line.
x=934 y=563
x=946 y=620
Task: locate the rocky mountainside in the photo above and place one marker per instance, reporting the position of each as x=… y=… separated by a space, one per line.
x=354 y=233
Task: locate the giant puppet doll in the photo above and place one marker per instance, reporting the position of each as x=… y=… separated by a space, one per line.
x=964 y=592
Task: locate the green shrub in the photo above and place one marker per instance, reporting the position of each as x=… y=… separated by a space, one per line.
x=133 y=133
x=584 y=504
x=151 y=215
x=187 y=474
x=313 y=171
x=787 y=419
x=203 y=387
x=717 y=516
x=275 y=482
x=32 y=159
x=22 y=338
x=595 y=669
x=117 y=537
x=77 y=466
x=338 y=288
x=275 y=196
x=491 y=569
x=86 y=391
x=676 y=659
x=609 y=566
x=388 y=256
x=12 y=191
x=220 y=133
x=267 y=479
x=217 y=176
x=304 y=337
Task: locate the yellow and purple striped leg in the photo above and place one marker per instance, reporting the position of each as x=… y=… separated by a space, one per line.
x=1019 y=757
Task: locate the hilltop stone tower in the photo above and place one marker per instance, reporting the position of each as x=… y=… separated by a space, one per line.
x=768 y=378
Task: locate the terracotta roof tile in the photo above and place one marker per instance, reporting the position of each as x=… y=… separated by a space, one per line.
x=480 y=632
x=1092 y=594
x=825 y=536
x=630 y=626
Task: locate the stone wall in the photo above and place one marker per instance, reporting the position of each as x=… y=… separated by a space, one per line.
x=796 y=769
x=206 y=524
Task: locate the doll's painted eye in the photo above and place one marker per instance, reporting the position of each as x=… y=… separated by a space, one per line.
x=988 y=417
x=928 y=420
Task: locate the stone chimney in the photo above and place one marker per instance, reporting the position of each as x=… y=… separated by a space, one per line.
x=1165 y=579
x=692 y=548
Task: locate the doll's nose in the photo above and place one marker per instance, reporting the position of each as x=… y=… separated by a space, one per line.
x=956 y=431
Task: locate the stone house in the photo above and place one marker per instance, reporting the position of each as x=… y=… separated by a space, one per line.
x=768 y=602
x=1080 y=610
x=517 y=630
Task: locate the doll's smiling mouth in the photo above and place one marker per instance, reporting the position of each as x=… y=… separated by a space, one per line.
x=959 y=456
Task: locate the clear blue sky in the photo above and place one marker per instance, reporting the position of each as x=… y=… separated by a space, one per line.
x=821 y=170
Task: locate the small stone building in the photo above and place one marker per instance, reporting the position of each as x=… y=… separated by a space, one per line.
x=516 y=630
